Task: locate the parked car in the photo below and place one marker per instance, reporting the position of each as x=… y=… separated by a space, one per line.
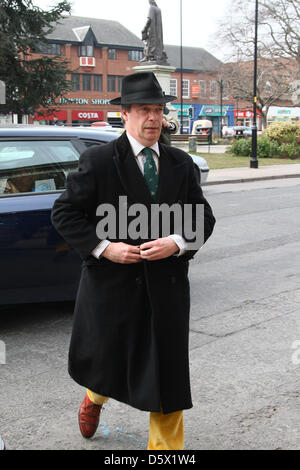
x=101 y=124
x=203 y=168
x=228 y=131
x=36 y=264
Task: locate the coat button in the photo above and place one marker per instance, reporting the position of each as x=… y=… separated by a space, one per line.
x=139 y=280
x=173 y=280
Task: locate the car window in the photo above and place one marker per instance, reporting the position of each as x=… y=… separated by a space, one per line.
x=35 y=166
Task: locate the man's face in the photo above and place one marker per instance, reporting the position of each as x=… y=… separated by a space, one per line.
x=144 y=122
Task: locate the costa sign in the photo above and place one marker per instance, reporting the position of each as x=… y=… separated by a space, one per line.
x=87 y=116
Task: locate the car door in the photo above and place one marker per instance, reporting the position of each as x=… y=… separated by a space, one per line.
x=36 y=264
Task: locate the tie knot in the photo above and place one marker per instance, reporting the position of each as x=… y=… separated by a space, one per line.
x=148 y=152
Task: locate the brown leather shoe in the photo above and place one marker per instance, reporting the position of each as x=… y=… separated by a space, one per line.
x=88 y=417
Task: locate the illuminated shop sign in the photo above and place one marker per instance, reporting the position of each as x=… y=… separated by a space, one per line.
x=87 y=116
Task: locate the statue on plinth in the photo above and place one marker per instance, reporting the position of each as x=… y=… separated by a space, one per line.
x=152 y=35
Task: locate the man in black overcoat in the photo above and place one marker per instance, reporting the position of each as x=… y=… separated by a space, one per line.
x=131 y=322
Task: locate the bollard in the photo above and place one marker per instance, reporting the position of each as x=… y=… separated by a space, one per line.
x=192 y=144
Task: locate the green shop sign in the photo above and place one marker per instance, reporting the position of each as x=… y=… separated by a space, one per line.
x=213 y=110
x=185 y=109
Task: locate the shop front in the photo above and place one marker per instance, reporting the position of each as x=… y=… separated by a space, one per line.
x=54 y=117
x=244 y=117
x=283 y=114
x=216 y=115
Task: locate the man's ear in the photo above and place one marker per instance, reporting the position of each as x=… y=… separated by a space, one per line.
x=124 y=115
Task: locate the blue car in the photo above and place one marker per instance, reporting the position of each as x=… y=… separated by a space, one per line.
x=36 y=264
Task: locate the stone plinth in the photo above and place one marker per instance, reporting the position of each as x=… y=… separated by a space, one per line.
x=163 y=74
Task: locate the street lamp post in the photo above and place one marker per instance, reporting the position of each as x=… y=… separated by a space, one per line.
x=253 y=158
x=221 y=106
x=181 y=73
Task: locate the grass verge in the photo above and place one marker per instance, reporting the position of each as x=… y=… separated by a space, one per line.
x=226 y=160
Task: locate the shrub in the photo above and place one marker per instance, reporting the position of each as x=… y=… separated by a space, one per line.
x=282 y=132
x=291 y=150
x=263 y=147
x=241 y=147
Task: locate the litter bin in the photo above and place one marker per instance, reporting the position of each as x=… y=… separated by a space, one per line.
x=203 y=127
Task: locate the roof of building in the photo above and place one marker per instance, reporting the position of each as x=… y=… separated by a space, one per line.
x=107 y=32
x=111 y=33
x=193 y=58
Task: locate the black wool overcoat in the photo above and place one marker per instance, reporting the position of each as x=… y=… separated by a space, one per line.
x=131 y=321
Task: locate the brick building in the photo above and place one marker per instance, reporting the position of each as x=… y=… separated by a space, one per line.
x=102 y=52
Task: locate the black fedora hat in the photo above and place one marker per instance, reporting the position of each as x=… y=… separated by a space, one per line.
x=143 y=88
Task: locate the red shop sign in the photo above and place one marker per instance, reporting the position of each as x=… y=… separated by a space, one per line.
x=245 y=113
x=87 y=115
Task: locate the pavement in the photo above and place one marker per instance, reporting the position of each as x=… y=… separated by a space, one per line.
x=246 y=174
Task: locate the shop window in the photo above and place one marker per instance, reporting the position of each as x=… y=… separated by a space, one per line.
x=75 y=80
x=111 y=83
x=86 y=82
x=97 y=82
x=112 y=54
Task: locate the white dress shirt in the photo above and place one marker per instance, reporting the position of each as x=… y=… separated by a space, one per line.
x=137 y=149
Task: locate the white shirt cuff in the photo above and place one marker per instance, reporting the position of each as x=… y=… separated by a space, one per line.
x=180 y=242
x=100 y=248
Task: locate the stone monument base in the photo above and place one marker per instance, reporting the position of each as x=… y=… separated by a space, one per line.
x=163 y=74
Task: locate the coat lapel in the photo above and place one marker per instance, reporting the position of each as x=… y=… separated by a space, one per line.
x=171 y=174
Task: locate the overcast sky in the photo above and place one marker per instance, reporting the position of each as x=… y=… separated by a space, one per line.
x=199 y=17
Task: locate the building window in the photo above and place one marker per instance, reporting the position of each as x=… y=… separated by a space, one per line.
x=173 y=86
x=97 y=82
x=112 y=54
x=202 y=84
x=86 y=51
x=50 y=49
x=213 y=89
x=86 y=82
x=135 y=56
x=120 y=78
x=75 y=80
x=185 y=88
x=111 y=83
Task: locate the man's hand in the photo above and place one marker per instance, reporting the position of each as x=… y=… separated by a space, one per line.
x=158 y=249
x=123 y=253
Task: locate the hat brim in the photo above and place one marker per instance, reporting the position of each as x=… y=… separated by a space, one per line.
x=164 y=99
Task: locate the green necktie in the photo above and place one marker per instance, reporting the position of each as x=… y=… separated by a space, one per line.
x=150 y=172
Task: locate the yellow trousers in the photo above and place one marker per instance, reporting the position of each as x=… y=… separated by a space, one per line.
x=165 y=430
